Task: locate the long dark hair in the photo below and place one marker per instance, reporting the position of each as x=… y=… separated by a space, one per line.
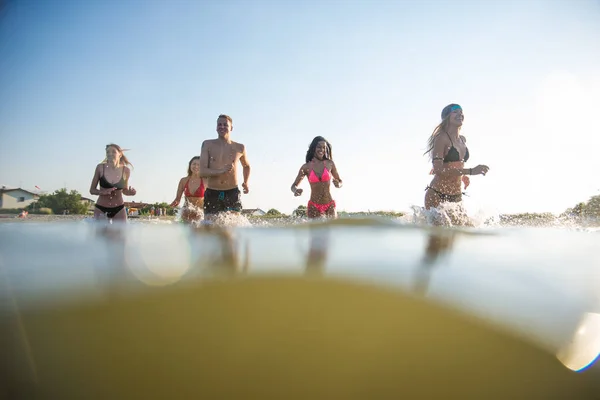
x=310 y=154
x=190 y=164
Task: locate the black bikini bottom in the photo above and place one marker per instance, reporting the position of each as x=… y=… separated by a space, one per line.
x=110 y=211
x=450 y=198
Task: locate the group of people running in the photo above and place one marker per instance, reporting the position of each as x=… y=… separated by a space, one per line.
x=211 y=185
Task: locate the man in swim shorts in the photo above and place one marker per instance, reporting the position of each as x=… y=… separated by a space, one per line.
x=218 y=163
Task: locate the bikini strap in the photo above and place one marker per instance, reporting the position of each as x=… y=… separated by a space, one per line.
x=449 y=137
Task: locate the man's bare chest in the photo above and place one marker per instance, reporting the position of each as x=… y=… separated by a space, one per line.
x=220 y=155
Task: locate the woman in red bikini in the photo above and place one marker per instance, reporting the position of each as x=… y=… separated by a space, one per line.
x=320 y=170
x=113 y=176
x=192 y=186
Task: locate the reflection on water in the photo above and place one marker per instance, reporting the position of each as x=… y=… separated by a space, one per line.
x=226 y=257
x=439 y=243
x=516 y=280
x=316 y=256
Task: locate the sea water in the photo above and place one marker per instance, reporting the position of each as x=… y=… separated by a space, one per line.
x=539 y=283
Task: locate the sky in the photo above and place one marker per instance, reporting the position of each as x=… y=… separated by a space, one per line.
x=370 y=76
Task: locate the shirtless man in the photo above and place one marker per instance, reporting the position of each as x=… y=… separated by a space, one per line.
x=218 y=163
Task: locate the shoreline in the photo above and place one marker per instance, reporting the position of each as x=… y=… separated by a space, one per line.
x=76 y=217
x=509 y=220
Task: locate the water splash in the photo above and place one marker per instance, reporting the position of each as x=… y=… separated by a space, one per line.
x=189 y=213
x=446 y=214
x=227 y=219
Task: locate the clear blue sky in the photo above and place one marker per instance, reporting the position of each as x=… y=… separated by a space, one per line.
x=370 y=76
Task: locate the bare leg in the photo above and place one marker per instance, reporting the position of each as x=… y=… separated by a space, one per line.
x=121 y=216
x=312 y=212
x=331 y=212
x=431 y=199
x=99 y=215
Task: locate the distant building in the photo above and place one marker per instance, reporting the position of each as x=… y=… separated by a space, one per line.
x=257 y=212
x=134 y=204
x=16 y=198
x=88 y=202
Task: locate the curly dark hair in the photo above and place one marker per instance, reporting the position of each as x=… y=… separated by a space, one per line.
x=310 y=154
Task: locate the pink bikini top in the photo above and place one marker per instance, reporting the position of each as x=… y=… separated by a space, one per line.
x=325 y=176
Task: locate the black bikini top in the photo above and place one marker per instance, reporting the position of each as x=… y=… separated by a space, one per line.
x=453 y=154
x=117 y=185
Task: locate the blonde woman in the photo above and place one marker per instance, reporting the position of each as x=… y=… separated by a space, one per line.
x=192 y=186
x=113 y=176
x=448 y=151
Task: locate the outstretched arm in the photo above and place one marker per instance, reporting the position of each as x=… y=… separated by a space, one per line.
x=128 y=191
x=94 y=185
x=337 y=181
x=180 y=189
x=440 y=169
x=299 y=177
x=246 y=169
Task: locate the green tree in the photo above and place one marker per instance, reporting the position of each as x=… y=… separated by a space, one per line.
x=579 y=209
x=300 y=211
x=60 y=202
x=273 y=212
x=592 y=208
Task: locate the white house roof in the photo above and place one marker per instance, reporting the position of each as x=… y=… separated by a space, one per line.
x=5 y=189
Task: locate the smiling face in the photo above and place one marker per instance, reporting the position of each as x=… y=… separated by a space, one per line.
x=321 y=150
x=195 y=166
x=452 y=115
x=456 y=117
x=113 y=155
x=224 y=127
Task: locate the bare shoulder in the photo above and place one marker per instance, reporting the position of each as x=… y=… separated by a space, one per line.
x=238 y=146
x=182 y=180
x=208 y=142
x=444 y=139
